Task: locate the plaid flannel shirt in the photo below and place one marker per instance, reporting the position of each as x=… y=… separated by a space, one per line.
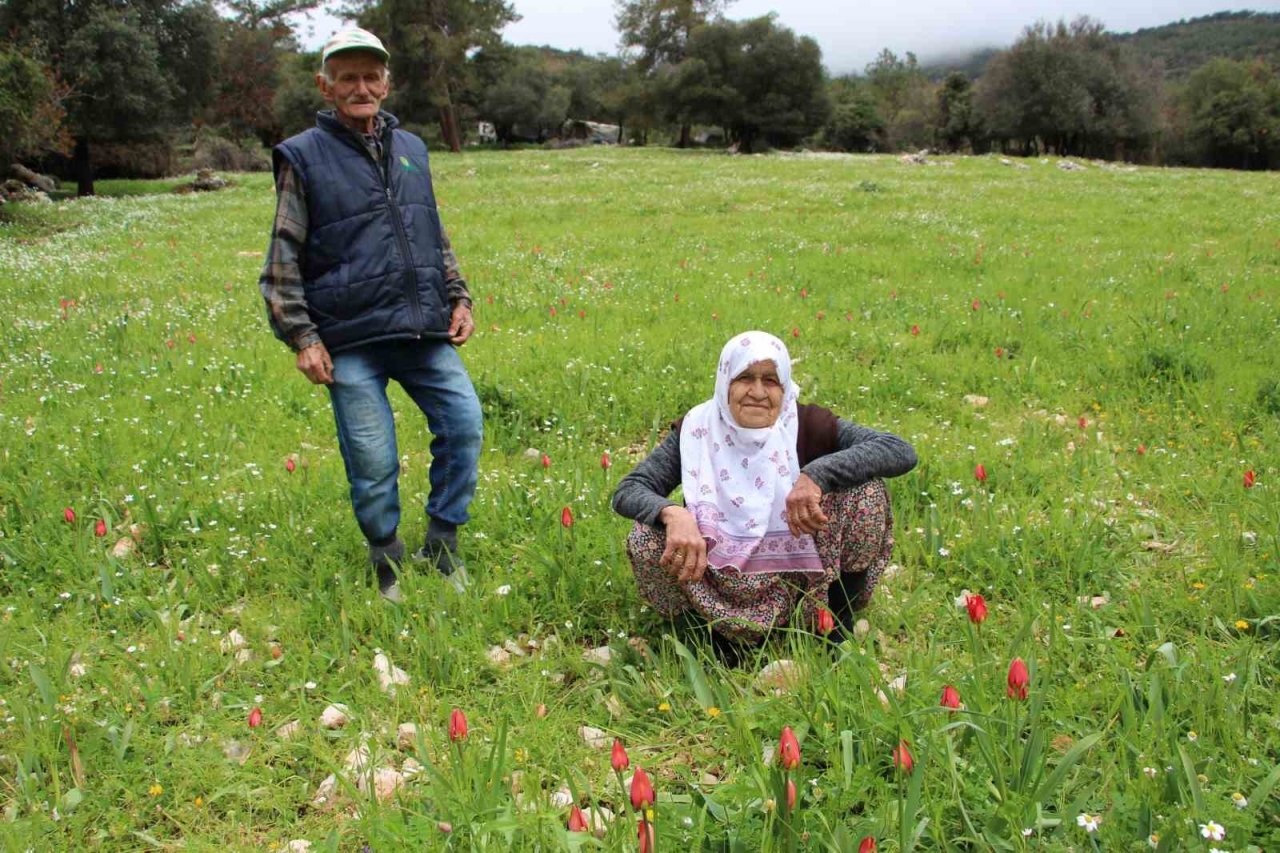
x=281 y=281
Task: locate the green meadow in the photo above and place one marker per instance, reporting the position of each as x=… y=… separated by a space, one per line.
x=177 y=547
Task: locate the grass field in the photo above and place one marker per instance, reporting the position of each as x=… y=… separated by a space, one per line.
x=1104 y=343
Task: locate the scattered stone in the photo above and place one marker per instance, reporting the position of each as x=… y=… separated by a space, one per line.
x=44 y=183
x=289 y=730
x=123 y=547
x=614 y=706
x=594 y=738
x=299 y=845
x=640 y=646
x=1005 y=161
x=1095 y=601
x=1069 y=166
x=561 y=799
x=357 y=760
x=540 y=712
x=861 y=629
x=780 y=676
x=334 y=717
x=920 y=158
x=598 y=818
x=600 y=656
x=533 y=454
x=236 y=751
x=384 y=782
x=411 y=768
x=77 y=668
x=207 y=181
x=1249 y=538
x=513 y=648
x=389 y=676
x=709 y=779
x=899 y=686
x=884 y=700
x=1160 y=547
x=325 y=792
x=233 y=641
x=407 y=736
x=499 y=657
x=244 y=655
x=976 y=400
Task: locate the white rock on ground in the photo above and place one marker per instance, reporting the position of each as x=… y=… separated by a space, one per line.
x=389 y=676
x=334 y=717
x=407 y=735
x=594 y=738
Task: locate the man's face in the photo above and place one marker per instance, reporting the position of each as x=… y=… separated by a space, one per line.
x=359 y=86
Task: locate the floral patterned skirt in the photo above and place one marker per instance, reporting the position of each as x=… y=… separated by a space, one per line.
x=854 y=548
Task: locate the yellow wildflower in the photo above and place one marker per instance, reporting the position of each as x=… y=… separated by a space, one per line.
x=1242 y=625
x=713 y=712
x=664 y=707
x=155 y=790
x=1198 y=585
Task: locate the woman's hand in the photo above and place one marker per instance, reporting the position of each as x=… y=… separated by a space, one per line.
x=804 y=508
x=686 y=552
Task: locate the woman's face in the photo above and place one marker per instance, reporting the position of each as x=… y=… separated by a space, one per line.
x=755 y=396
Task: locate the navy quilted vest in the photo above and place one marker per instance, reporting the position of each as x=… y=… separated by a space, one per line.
x=373 y=266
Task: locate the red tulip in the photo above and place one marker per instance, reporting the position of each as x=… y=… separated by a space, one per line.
x=1142 y=450
x=641 y=790
x=566 y=517
x=70 y=515
x=980 y=473
x=868 y=845
x=804 y=293
x=457 y=725
x=1084 y=422
x=950 y=698
x=97 y=368
x=618 y=759
x=605 y=461
x=290 y=465
x=645 y=833
x=191 y=338
x=915 y=330
x=902 y=757
x=255 y=718
x=100 y=529
x=826 y=622
x=1249 y=479
x=577 y=820
x=553 y=310
x=582 y=314
x=975 y=305
x=546 y=461
x=170 y=343
x=999 y=352
x=977 y=607
x=788 y=749
x=795 y=331
x=1018 y=679
x=791 y=795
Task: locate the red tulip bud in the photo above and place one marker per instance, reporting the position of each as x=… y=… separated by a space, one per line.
x=577 y=820
x=1084 y=422
x=788 y=749
x=977 y=607
x=255 y=718
x=641 y=790
x=100 y=529
x=975 y=305
x=980 y=473
x=1142 y=450
x=915 y=330
x=999 y=352
x=826 y=622
x=546 y=461
x=902 y=757
x=618 y=759
x=1249 y=479
x=645 y=833
x=553 y=310
x=97 y=368
x=605 y=462
x=795 y=331
x=290 y=465
x=791 y=795
x=950 y=698
x=582 y=314
x=868 y=845
x=457 y=725
x=70 y=515
x=804 y=293
x=1018 y=679
x=566 y=517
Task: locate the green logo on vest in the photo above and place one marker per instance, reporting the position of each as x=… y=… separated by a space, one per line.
x=407 y=164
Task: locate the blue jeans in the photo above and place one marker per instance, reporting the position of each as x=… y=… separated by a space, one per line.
x=435 y=379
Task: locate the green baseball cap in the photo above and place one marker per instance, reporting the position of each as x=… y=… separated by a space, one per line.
x=353 y=39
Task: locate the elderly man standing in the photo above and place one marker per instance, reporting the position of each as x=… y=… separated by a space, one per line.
x=361 y=282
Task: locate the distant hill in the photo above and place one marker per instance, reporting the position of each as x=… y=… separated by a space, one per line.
x=1186 y=45
x=1181 y=47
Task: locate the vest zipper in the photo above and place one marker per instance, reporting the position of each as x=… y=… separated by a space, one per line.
x=410 y=277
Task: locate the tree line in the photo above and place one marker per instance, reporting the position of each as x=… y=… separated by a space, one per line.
x=92 y=86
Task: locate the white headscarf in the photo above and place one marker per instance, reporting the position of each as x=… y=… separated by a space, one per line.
x=736 y=479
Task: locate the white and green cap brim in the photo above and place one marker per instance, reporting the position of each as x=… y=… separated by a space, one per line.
x=354 y=39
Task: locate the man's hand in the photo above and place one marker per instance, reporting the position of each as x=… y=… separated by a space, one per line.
x=686 y=552
x=804 y=507
x=315 y=364
x=461 y=326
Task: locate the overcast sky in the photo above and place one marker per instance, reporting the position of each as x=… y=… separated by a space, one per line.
x=851 y=33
